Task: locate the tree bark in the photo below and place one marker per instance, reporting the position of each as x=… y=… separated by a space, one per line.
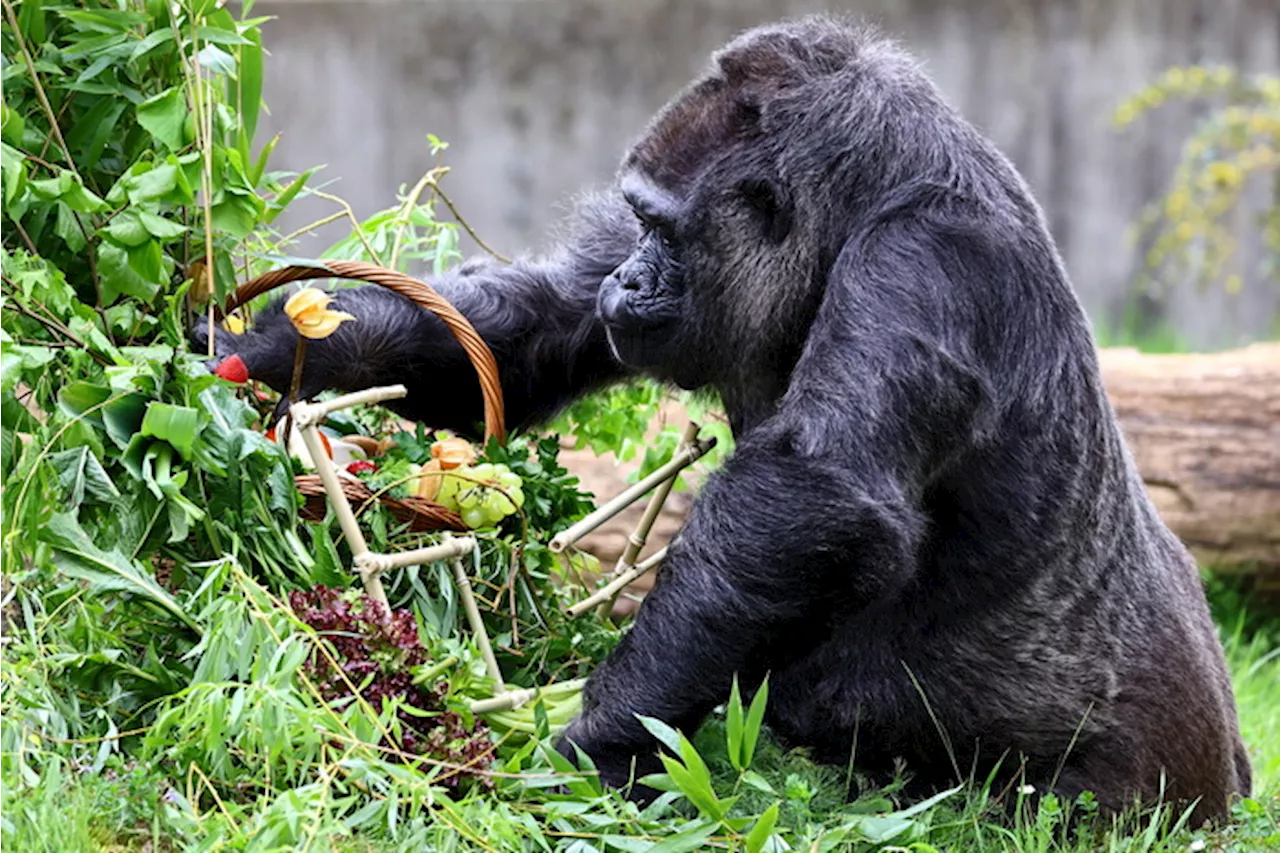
x=1204 y=430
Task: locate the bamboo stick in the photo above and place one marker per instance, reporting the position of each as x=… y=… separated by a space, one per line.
x=379 y=563
x=316 y=412
x=696 y=450
x=468 y=596
x=613 y=587
x=636 y=541
x=503 y=701
x=341 y=508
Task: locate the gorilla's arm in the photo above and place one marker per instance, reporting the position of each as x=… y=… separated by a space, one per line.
x=538 y=316
x=815 y=517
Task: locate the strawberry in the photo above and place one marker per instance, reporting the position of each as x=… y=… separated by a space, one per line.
x=233 y=369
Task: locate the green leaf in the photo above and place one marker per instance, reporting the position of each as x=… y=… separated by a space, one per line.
x=691 y=838
x=119 y=277
x=11 y=125
x=661 y=731
x=236 y=215
x=89 y=136
x=127 y=230
x=249 y=81
x=150 y=42
x=77 y=555
x=147 y=261
x=83 y=476
x=81 y=200
x=13 y=173
x=755 y=780
x=216 y=60
x=163 y=117
x=760 y=833
x=31 y=21
x=159 y=227
x=10 y=371
x=120 y=417
x=174 y=424
x=733 y=726
x=755 y=720
x=67 y=226
x=155 y=184
x=696 y=789
x=287 y=195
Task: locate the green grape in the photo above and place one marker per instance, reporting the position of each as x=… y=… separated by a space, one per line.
x=474 y=518
x=448 y=493
x=517 y=495
x=471 y=497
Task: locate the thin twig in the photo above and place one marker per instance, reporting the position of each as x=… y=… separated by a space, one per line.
x=471 y=231
x=406 y=212
x=319 y=223
x=51 y=323
x=26 y=238
x=355 y=223
x=35 y=82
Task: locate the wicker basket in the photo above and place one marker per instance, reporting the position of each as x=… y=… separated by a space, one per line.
x=420 y=514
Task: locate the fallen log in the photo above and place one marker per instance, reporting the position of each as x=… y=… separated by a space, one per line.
x=1204 y=429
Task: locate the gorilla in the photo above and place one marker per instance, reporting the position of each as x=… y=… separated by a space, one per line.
x=931 y=536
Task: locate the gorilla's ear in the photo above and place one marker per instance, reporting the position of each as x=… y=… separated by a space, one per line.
x=772 y=203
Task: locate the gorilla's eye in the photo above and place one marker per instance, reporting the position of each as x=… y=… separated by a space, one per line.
x=661 y=231
x=759 y=194
x=773 y=205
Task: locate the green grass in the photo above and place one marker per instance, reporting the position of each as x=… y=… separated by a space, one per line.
x=119 y=809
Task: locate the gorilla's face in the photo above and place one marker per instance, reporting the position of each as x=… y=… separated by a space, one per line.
x=700 y=288
x=645 y=300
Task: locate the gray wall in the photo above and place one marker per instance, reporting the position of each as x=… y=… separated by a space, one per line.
x=539 y=98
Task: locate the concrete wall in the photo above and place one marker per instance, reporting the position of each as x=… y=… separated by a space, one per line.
x=539 y=98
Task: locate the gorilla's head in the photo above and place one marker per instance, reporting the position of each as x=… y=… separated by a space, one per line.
x=748 y=185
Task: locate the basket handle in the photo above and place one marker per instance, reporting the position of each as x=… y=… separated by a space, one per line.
x=418 y=292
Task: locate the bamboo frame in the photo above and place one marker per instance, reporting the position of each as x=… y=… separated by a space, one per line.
x=371 y=565
x=682 y=459
x=606 y=594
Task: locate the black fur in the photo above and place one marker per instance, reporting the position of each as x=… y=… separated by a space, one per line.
x=931 y=536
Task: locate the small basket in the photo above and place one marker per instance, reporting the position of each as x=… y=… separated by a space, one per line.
x=421 y=514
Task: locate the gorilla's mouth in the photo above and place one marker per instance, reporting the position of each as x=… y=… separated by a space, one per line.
x=639 y=348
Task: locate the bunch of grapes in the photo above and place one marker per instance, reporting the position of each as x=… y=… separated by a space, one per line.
x=473 y=494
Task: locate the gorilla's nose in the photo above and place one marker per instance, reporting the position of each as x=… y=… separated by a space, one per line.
x=612 y=303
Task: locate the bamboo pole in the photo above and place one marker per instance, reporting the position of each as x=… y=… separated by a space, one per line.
x=696 y=450
x=379 y=563
x=610 y=590
x=316 y=412
x=636 y=541
x=516 y=698
x=468 y=596
x=341 y=508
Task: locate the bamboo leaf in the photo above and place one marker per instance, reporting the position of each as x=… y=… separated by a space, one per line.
x=755 y=720
x=733 y=726
x=760 y=833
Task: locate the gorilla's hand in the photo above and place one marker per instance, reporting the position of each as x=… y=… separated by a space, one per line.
x=267 y=351
x=617 y=768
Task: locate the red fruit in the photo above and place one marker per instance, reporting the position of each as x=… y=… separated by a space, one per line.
x=233 y=369
x=361 y=466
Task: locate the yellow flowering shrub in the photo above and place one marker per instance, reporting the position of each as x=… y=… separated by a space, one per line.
x=1187 y=231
